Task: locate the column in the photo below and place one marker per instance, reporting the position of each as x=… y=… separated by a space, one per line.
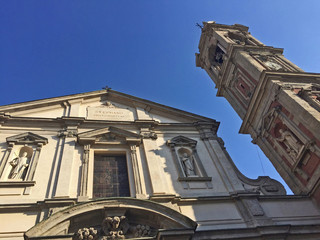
x=84 y=173
x=136 y=172
x=158 y=182
x=66 y=163
x=5 y=159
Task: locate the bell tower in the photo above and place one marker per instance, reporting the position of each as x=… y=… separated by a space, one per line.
x=277 y=101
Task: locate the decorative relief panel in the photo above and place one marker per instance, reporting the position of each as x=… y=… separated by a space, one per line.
x=289 y=141
x=274 y=63
x=115 y=227
x=242 y=85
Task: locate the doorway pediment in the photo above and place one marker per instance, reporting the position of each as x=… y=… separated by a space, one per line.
x=108 y=134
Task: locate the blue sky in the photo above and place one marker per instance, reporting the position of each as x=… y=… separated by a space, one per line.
x=146 y=49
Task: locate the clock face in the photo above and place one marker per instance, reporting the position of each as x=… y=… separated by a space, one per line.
x=273 y=65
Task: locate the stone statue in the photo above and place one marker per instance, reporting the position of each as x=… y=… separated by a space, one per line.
x=188 y=165
x=291 y=142
x=18 y=164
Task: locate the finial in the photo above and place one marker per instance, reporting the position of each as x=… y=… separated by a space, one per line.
x=199 y=25
x=106 y=88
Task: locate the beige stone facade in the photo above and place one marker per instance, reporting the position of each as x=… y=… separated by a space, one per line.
x=278 y=102
x=106 y=165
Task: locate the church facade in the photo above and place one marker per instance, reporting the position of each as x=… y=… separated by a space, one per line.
x=278 y=102
x=107 y=165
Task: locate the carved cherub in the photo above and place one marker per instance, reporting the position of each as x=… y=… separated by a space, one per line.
x=115 y=227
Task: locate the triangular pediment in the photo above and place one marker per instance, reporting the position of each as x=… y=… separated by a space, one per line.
x=27 y=138
x=182 y=141
x=103 y=105
x=108 y=134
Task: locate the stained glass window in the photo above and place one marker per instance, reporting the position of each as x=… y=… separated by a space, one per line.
x=110 y=176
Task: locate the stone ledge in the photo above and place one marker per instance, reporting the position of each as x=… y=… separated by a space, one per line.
x=195 y=179
x=17 y=184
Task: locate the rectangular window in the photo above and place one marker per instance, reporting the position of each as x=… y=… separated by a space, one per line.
x=110 y=176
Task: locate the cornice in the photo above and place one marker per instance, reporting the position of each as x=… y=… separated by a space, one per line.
x=61 y=122
x=46 y=101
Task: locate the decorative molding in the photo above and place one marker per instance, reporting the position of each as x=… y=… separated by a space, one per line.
x=67 y=133
x=195 y=179
x=147 y=128
x=4 y=118
x=17 y=184
x=147 y=133
x=207 y=130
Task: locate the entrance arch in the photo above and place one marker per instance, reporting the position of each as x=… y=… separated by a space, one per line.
x=114 y=218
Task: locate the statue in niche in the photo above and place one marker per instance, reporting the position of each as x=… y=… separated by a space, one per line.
x=187 y=162
x=19 y=166
x=291 y=142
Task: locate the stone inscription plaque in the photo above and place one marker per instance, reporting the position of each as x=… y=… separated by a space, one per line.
x=111 y=114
